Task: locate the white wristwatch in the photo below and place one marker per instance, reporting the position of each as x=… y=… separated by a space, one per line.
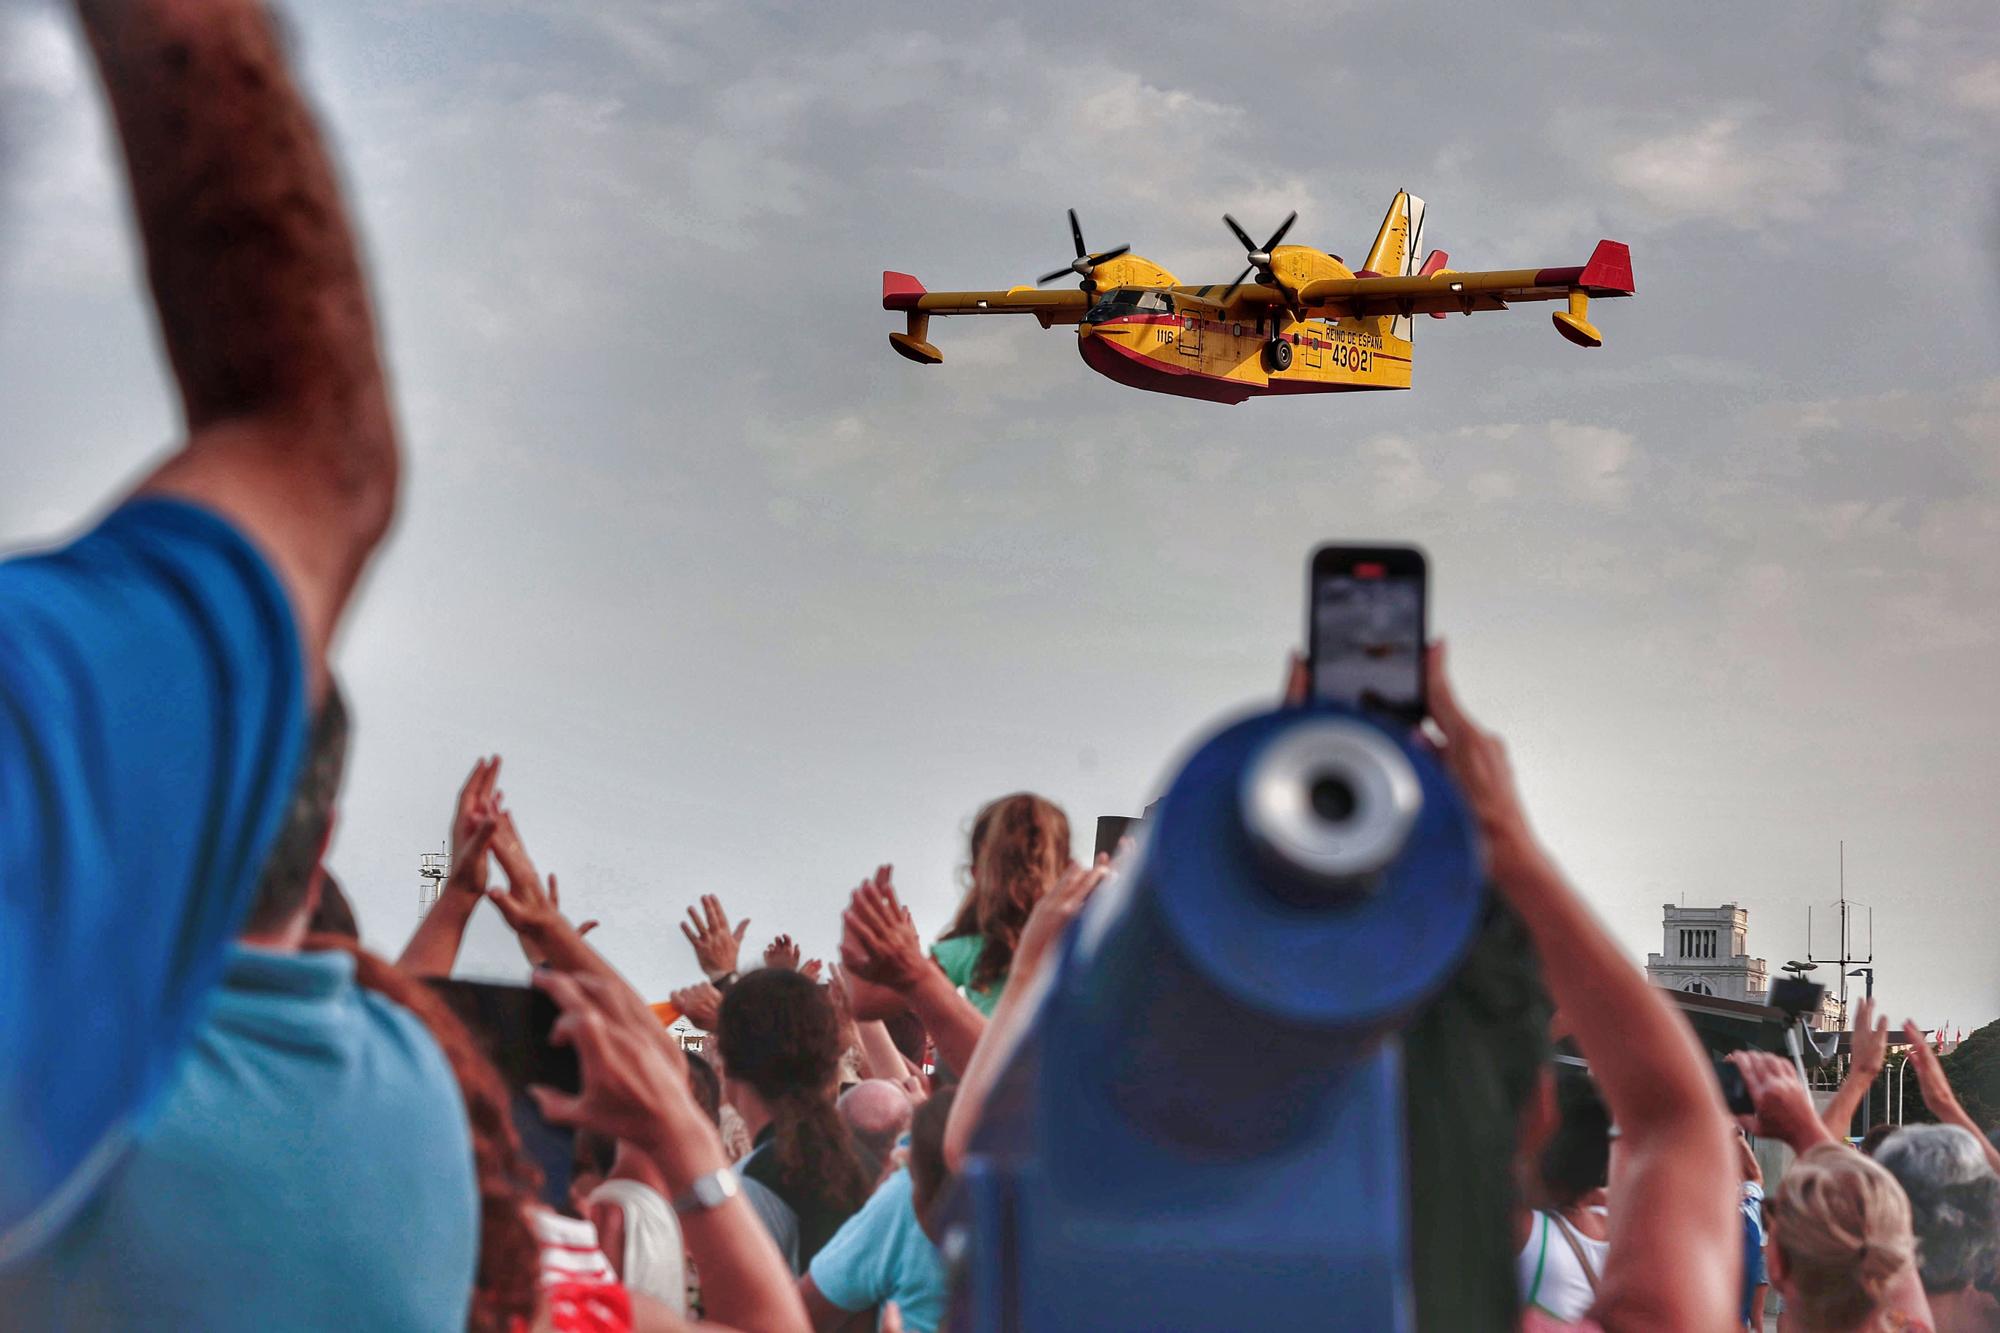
x=706 y=1192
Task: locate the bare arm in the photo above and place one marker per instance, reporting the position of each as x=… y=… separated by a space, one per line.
x=433 y=948
x=1051 y=917
x=1864 y=1064
x=879 y=1056
x=1937 y=1090
x=879 y=945
x=1676 y=1245
x=635 y=1089
x=826 y=1316
x=262 y=302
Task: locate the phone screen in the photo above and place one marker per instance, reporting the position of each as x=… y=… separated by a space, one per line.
x=1367 y=628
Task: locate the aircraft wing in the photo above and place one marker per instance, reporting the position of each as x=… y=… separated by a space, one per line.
x=1062 y=305
x=1608 y=273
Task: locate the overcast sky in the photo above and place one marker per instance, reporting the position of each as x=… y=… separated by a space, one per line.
x=750 y=604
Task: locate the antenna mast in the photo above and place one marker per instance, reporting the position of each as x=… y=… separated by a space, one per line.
x=432 y=870
x=1846 y=957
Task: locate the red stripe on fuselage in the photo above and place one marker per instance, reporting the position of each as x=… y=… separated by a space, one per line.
x=1136 y=370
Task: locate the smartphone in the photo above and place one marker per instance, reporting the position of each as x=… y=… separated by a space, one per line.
x=1365 y=629
x=510 y=1024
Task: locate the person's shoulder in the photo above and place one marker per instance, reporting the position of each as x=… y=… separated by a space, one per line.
x=157 y=535
x=394 y=1041
x=956 y=949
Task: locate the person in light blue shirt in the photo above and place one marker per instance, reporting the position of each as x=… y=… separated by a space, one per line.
x=886 y=1251
x=156 y=674
x=310 y=1167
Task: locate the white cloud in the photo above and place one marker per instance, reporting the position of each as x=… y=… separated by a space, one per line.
x=1742 y=166
x=1976 y=89
x=1595 y=459
x=1402 y=481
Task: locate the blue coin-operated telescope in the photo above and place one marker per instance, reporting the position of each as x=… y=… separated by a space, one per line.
x=1202 y=1124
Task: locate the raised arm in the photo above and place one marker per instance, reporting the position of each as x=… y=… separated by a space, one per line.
x=879 y=946
x=1937 y=1090
x=1046 y=924
x=433 y=947
x=262 y=302
x=1864 y=1062
x=635 y=1089
x=1676 y=1245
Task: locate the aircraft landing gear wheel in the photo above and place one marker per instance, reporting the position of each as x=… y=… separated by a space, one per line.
x=1278 y=354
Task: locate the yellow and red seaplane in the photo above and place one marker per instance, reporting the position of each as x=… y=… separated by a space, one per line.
x=1307 y=324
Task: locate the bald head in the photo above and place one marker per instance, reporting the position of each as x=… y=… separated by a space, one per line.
x=877 y=1113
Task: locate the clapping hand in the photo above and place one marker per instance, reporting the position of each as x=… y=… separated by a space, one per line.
x=528 y=906
x=473 y=824
x=1938 y=1096
x=716 y=946
x=878 y=940
x=635 y=1079
x=1057 y=908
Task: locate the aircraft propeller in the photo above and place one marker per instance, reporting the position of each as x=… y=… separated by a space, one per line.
x=1085 y=262
x=1258 y=255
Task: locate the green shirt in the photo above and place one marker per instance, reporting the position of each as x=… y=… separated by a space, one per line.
x=958 y=956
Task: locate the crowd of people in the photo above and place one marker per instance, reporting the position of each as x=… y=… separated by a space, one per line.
x=218 y=1111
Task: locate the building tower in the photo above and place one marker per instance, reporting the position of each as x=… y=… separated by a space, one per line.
x=1705 y=951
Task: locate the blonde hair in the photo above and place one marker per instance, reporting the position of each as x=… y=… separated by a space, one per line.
x=1842 y=1226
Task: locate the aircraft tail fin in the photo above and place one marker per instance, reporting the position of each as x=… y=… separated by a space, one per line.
x=1399 y=249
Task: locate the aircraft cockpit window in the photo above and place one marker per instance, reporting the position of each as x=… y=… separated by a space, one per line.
x=1129 y=301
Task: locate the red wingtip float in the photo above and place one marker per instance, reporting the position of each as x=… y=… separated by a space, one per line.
x=1295 y=320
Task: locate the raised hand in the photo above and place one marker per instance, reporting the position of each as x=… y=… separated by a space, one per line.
x=635 y=1082
x=478 y=806
x=529 y=907
x=1938 y=1096
x=700 y=1004
x=1871 y=1037
x=878 y=941
x=1053 y=914
x=716 y=946
x=1784 y=1107
x=469 y=855
x=811 y=969
x=782 y=953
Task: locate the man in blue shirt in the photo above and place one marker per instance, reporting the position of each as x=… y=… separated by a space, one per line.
x=310 y=1167
x=155 y=675
x=886 y=1252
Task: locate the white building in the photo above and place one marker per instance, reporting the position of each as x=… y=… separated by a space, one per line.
x=1705 y=952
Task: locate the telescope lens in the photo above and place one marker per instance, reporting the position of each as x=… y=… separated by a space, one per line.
x=1330 y=800
x=1333 y=798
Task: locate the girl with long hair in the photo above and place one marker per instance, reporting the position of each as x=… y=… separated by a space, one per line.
x=1019 y=847
x=781 y=1049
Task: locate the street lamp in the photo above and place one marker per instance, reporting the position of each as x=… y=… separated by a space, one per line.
x=1869 y=973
